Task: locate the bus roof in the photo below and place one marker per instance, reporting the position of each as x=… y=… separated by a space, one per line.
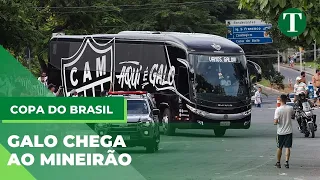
x=192 y=42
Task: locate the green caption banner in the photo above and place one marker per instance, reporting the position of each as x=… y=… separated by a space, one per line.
x=63 y=110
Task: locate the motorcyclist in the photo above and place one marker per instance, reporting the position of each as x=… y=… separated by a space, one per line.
x=299 y=88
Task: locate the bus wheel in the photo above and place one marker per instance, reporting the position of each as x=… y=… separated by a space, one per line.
x=168 y=127
x=219 y=132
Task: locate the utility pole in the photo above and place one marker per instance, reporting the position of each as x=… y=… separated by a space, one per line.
x=278 y=61
x=300 y=51
x=29 y=58
x=315 y=54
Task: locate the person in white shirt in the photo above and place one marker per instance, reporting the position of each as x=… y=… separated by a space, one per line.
x=43 y=78
x=282 y=118
x=299 y=87
x=258 y=98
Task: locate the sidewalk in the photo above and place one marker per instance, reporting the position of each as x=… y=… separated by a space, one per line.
x=270 y=91
x=308 y=70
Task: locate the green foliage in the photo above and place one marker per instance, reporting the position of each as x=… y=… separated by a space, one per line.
x=277 y=80
x=17 y=26
x=270 y=10
x=318 y=62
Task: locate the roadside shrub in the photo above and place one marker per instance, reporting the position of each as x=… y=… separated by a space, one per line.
x=277 y=80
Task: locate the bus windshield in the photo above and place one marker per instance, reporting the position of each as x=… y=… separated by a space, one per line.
x=218 y=77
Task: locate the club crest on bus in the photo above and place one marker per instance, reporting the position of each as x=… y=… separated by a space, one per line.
x=89 y=69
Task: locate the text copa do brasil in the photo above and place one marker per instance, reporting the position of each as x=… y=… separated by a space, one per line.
x=70 y=159
x=73 y=109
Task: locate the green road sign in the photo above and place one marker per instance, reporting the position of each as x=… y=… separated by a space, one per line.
x=292 y=22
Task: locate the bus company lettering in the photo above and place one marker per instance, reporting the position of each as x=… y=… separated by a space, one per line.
x=223 y=59
x=157 y=75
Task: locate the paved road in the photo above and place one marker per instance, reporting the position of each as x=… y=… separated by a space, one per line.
x=241 y=154
x=291 y=74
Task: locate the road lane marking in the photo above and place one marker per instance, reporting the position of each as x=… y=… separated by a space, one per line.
x=239 y=172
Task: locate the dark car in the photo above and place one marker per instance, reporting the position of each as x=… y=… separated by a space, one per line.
x=142 y=128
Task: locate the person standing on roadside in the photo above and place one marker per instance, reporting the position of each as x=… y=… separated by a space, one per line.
x=303 y=77
x=316 y=83
x=291 y=62
x=52 y=89
x=43 y=78
x=282 y=118
x=258 y=98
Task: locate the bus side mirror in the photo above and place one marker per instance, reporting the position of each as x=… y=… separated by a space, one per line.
x=155 y=112
x=255 y=70
x=254 y=80
x=259 y=78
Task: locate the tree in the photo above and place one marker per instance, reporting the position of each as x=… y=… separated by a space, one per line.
x=270 y=10
x=25 y=23
x=17 y=25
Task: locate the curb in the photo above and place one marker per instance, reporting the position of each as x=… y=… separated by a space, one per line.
x=271 y=89
x=296 y=70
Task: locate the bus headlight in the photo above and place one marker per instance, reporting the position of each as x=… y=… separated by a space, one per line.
x=246 y=113
x=146 y=123
x=197 y=111
x=101 y=125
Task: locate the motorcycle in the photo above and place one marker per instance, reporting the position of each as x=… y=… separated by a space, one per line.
x=303 y=112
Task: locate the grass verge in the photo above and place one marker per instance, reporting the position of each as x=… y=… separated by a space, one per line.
x=311 y=64
x=266 y=83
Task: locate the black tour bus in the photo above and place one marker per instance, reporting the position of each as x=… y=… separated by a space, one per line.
x=198 y=81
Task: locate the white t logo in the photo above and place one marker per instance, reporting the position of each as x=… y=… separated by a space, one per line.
x=292 y=17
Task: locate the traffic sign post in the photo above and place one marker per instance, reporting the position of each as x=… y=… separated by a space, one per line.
x=248 y=31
